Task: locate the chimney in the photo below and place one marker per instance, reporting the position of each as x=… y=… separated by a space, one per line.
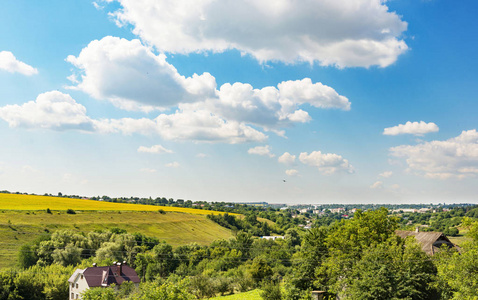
x=118 y=268
x=124 y=262
x=417 y=229
x=94 y=265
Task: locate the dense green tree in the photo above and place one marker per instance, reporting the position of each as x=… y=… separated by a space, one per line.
x=348 y=238
x=260 y=269
x=395 y=269
x=243 y=242
x=459 y=271
x=99 y=294
x=7 y=285
x=271 y=291
x=67 y=256
x=27 y=256
x=169 y=290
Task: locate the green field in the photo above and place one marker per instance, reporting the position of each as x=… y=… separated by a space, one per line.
x=20 y=227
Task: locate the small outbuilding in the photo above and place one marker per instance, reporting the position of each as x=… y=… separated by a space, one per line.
x=83 y=279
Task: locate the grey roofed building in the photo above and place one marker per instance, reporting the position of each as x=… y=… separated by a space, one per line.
x=431 y=242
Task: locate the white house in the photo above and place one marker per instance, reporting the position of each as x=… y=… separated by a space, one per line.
x=83 y=279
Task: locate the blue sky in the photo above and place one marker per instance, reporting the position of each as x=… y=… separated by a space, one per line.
x=359 y=101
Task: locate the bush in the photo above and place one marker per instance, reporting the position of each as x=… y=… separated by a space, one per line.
x=271 y=291
x=70 y=211
x=451 y=231
x=48 y=211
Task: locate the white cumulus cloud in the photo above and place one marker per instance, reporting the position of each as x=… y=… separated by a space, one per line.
x=377 y=185
x=386 y=174
x=272 y=107
x=58 y=111
x=341 y=33
x=132 y=77
x=415 y=128
x=287 y=158
x=327 y=163
x=198 y=126
x=51 y=110
x=158 y=149
x=453 y=158
x=9 y=63
x=261 y=150
x=292 y=172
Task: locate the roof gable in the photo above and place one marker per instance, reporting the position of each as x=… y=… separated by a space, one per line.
x=75 y=275
x=431 y=242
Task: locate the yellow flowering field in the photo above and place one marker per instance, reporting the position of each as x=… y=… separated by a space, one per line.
x=33 y=202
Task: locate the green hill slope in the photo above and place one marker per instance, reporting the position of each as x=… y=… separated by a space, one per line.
x=20 y=227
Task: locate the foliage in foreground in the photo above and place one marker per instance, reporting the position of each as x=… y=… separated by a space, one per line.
x=360 y=258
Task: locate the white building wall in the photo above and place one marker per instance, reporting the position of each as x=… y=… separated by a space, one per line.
x=78 y=286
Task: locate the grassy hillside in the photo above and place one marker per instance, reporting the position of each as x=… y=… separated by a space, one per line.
x=19 y=227
x=33 y=202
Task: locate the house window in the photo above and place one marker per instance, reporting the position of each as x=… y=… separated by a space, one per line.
x=77 y=285
x=81 y=276
x=72 y=296
x=76 y=296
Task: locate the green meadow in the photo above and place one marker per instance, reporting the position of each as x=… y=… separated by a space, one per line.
x=19 y=227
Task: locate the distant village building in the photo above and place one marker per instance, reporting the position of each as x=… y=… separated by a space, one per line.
x=83 y=279
x=431 y=242
x=337 y=210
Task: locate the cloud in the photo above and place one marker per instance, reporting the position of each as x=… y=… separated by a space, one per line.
x=272 y=107
x=9 y=63
x=199 y=126
x=327 y=163
x=386 y=174
x=158 y=149
x=292 y=172
x=316 y=94
x=51 y=110
x=377 y=185
x=201 y=155
x=174 y=164
x=338 y=33
x=261 y=150
x=130 y=76
x=287 y=158
x=453 y=158
x=415 y=128
x=58 y=111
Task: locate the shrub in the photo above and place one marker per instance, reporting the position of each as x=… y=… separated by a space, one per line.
x=70 y=211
